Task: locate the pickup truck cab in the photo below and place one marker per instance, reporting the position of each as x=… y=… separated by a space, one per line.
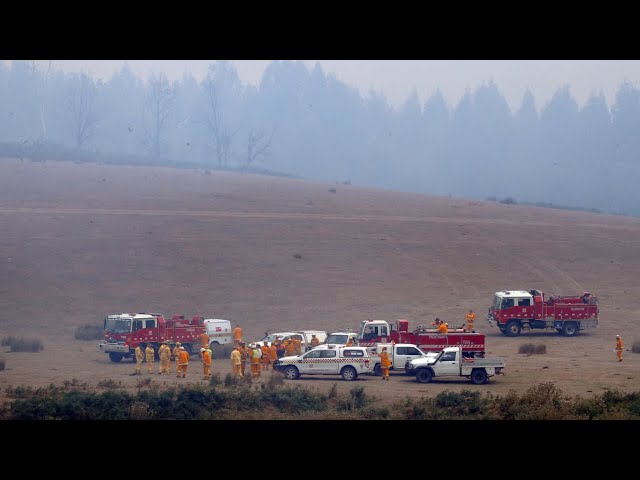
x=348 y=362
x=399 y=353
x=451 y=363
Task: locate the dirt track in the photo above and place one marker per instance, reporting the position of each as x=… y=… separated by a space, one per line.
x=80 y=241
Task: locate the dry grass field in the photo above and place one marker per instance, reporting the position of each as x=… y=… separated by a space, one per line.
x=80 y=241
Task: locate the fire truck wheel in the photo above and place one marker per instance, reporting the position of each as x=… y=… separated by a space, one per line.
x=424 y=375
x=377 y=371
x=478 y=376
x=569 y=329
x=115 y=357
x=291 y=373
x=513 y=328
x=349 y=373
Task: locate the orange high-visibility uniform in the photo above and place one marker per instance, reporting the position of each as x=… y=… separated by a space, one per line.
x=206 y=364
x=235 y=363
x=619 y=348
x=289 y=348
x=385 y=363
x=183 y=363
x=297 y=346
x=139 y=358
x=265 y=357
x=471 y=318
x=150 y=355
x=237 y=335
x=204 y=340
x=273 y=353
x=442 y=328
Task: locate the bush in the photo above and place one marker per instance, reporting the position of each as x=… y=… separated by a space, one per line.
x=332 y=190
x=19 y=344
x=1 y=364
x=89 y=332
x=509 y=201
x=541 y=349
x=635 y=348
x=109 y=384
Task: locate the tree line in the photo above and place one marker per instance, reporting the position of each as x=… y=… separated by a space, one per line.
x=304 y=122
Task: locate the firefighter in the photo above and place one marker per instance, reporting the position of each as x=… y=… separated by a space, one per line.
x=350 y=342
x=266 y=356
x=619 y=347
x=139 y=358
x=150 y=355
x=289 y=347
x=183 y=362
x=385 y=363
x=297 y=345
x=280 y=350
x=244 y=356
x=255 y=361
x=443 y=327
x=176 y=354
x=165 y=358
x=206 y=363
x=273 y=353
x=471 y=318
x=236 y=361
x=314 y=342
x=204 y=340
x=237 y=335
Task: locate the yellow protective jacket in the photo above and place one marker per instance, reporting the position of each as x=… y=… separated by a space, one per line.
x=314 y=342
x=139 y=354
x=176 y=352
x=471 y=317
x=235 y=357
x=385 y=361
x=164 y=351
x=149 y=354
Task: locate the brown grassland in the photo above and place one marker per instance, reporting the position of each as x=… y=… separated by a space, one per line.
x=81 y=241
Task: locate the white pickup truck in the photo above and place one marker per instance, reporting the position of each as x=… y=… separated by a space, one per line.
x=347 y=362
x=450 y=363
x=400 y=355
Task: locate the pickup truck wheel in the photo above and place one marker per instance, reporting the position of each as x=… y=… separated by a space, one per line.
x=513 y=329
x=569 y=329
x=377 y=371
x=424 y=375
x=291 y=373
x=115 y=357
x=478 y=376
x=349 y=373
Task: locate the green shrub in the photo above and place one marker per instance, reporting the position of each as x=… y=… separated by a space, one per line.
x=109 y=384
x=333 y=393
x=20 y=344
x=89 y=332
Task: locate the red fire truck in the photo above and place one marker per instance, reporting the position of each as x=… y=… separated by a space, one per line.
x=123 y=332
x=426 y=338
x=513 y=311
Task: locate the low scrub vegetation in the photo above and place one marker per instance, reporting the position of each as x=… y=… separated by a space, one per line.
x=1 y=364
x=532 y=349
x=20 y=344
x=239 y=400
x=635 y=348
x=89 y=332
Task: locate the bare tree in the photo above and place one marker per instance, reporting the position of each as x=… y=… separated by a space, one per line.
x=41 y=79
x=157 y=105
x=80 y=103
x=257 y=145
x=221 y=134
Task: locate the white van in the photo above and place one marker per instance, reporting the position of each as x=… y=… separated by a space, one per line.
x=219 y=331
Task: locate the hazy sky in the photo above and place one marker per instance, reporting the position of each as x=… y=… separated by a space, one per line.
x=396 y=78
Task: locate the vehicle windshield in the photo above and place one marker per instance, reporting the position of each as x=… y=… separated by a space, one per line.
x=117 y=325
x=496 y=302
x=340 y=339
